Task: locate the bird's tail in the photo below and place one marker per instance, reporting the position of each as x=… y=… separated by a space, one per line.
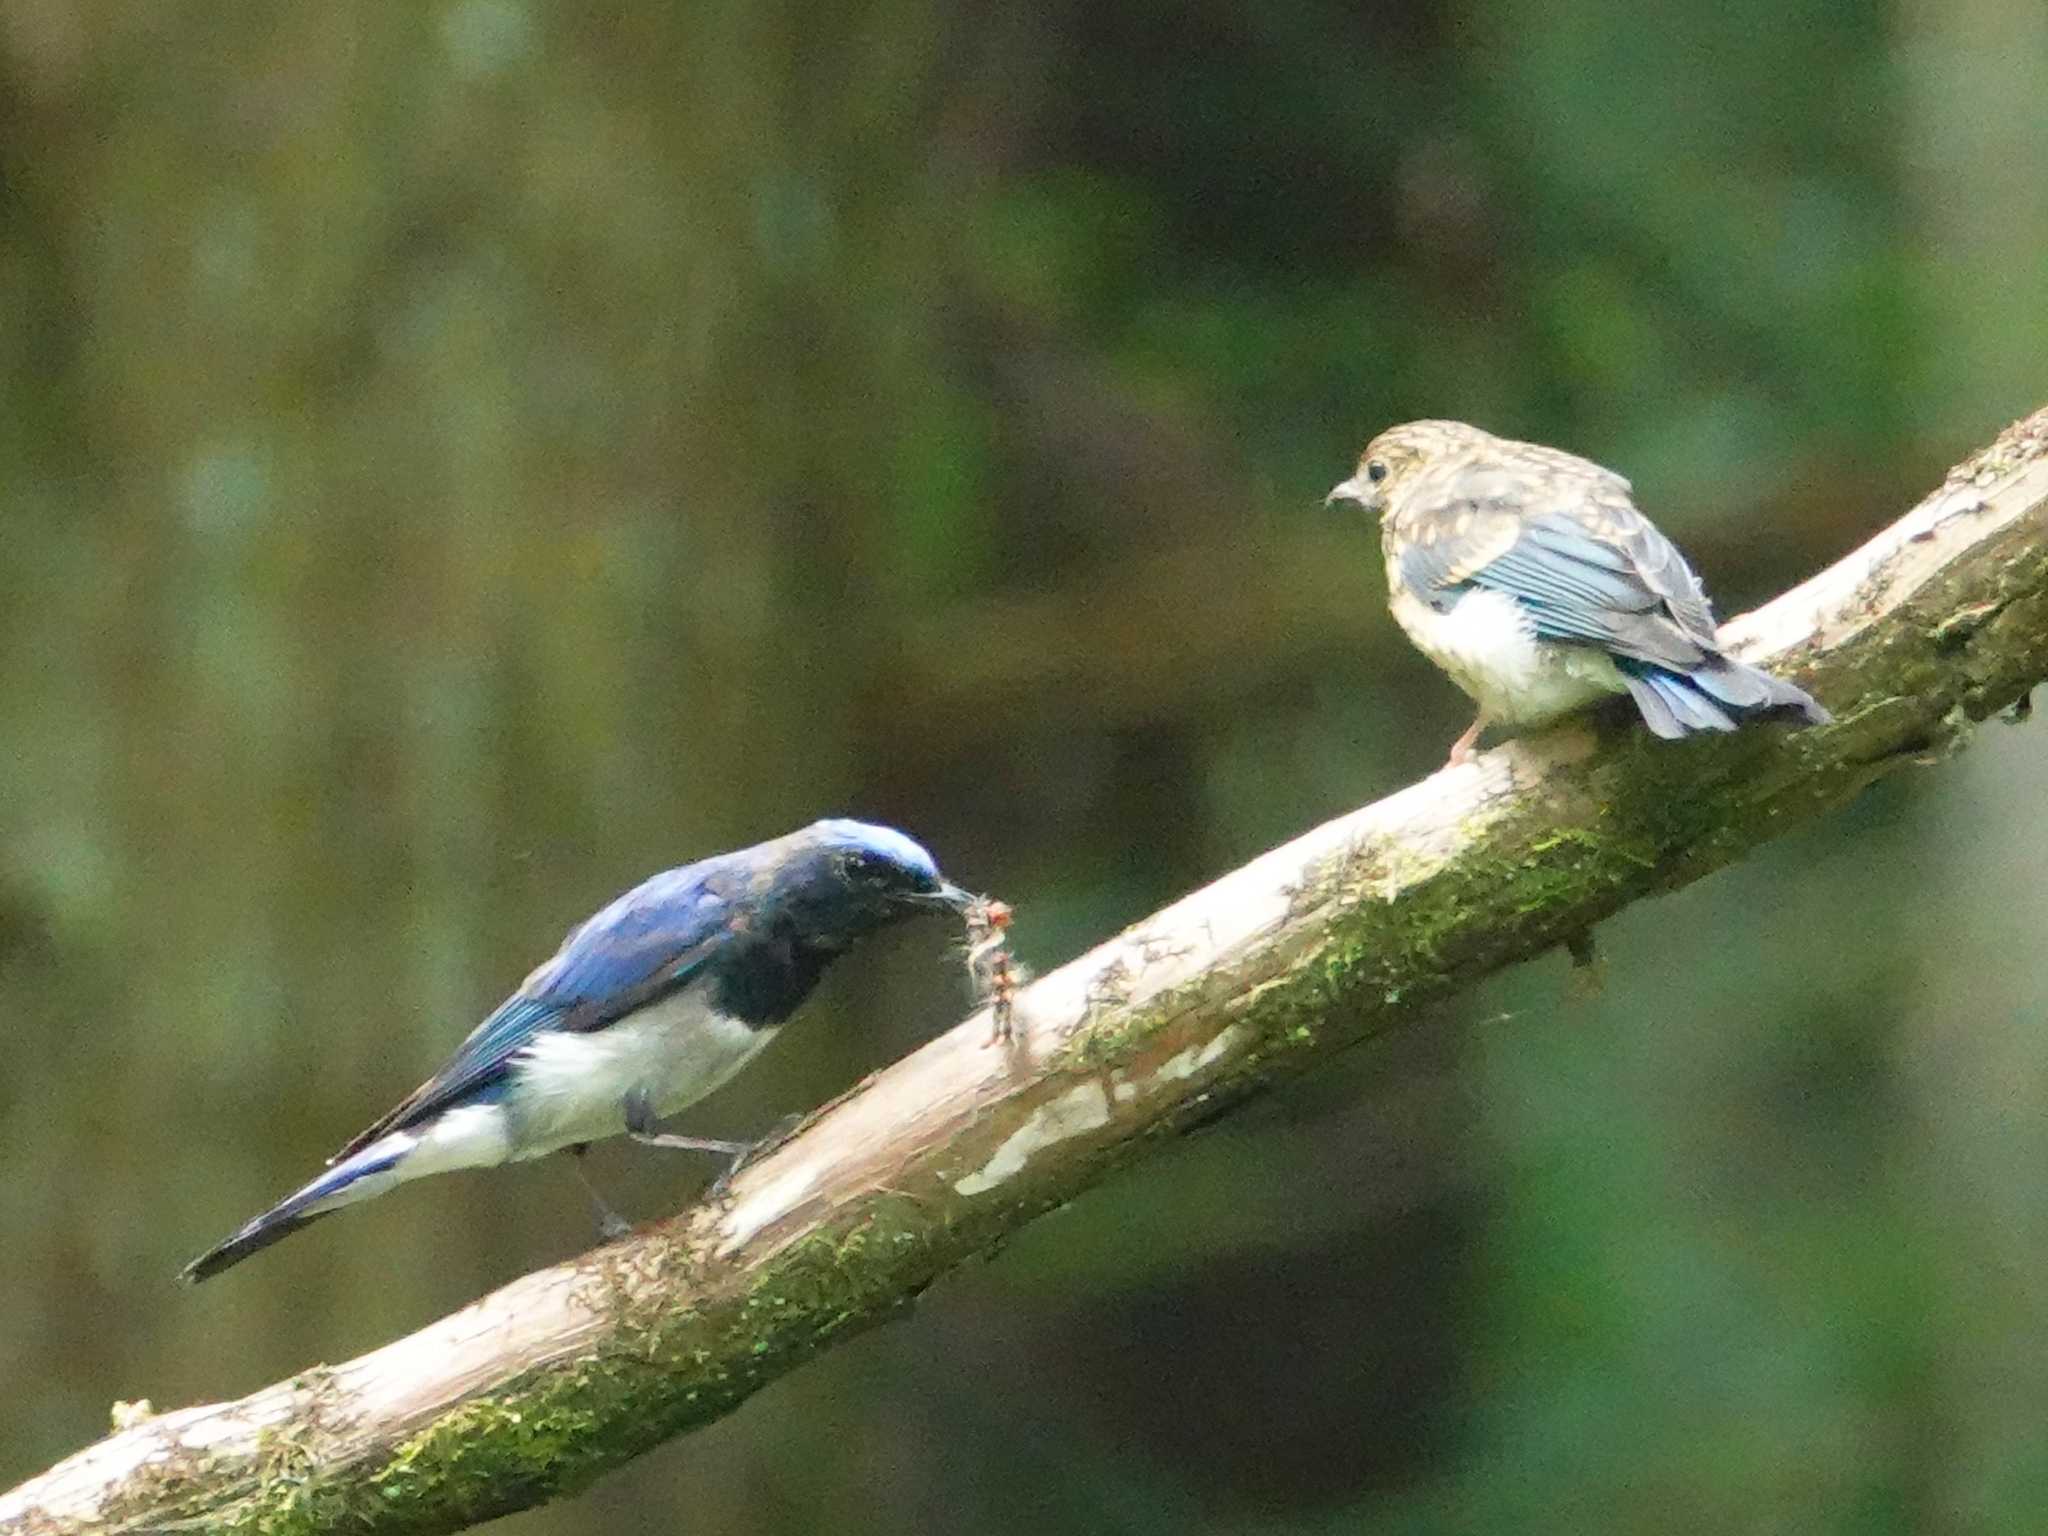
x=343 y=1184
x=1717 y=695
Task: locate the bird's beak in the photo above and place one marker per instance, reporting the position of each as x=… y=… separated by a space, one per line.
x=950 y=896
x=1355 y=489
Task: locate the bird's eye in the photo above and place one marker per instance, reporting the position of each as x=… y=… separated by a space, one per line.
x=1376 y=471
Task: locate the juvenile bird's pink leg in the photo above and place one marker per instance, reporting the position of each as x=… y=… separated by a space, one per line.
x=1461 y=749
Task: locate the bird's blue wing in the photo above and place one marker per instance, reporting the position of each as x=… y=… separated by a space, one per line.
x=1561 y=536
x=646 y=944
x=646 y=940
x=1606 y=577
x=1563 y=567
x=1570 y=548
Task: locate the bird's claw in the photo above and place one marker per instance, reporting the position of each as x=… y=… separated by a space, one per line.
x=720 y=1188
x=750 y=1153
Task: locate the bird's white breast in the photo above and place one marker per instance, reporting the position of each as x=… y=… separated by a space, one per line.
x=1488 y=645
x=573 y=1087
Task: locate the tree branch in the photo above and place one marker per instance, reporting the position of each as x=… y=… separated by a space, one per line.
x=1357 y=926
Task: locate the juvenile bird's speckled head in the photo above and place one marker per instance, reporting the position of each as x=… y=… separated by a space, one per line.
x=1398 y=454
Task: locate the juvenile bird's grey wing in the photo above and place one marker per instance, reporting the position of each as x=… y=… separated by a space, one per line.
x=1585 y=564
x=646 y=944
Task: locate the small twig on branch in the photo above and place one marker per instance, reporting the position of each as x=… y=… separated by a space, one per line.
x=533 y=1391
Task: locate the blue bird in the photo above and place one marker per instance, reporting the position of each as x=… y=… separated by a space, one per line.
x=650 y=1005
x=1529 y=576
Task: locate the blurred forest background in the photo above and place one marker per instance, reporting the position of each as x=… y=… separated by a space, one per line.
x=460 y=457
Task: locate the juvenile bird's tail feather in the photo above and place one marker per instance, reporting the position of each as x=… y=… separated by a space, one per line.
x=320 y=1198
x=1717 y=695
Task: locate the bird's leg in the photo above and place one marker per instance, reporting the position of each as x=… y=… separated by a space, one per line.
x=1461 y=749
x=611 y=1226
x=641 y=1122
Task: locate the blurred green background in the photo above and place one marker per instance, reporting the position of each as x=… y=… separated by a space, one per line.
x=460 y=457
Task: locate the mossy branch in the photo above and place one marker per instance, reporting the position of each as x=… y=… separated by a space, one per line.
x=534 y=1391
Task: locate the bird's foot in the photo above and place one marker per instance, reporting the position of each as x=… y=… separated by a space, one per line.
x=749 y=1152
x=720 y=1188
x=611 y=1226
x=1463 y=748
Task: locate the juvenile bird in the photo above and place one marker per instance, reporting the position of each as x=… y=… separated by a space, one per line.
x=646 y=1008
x=1529 y=576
